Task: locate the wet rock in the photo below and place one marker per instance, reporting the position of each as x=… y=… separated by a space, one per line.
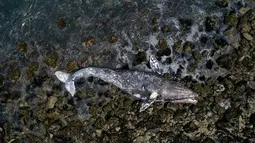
x=233 y=36
x=51 y=60
x=61 y=23
x=220 y=42
x=227 y=61
x=245 y=27
x=243 y=10
x=222 y=3
x=247 y=36
x=15 y=74
x=210 y=24
x=231 y=19
x=72 y=65
x=252 y=119
x=208 y=140
x=188 y=46
x=191 y=126
x=22 y=46
x=139 y=58
x=51 y=102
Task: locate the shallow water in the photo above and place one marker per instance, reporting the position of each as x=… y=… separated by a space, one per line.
x=36 y=22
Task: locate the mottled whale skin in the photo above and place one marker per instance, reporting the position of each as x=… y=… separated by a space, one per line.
x=147 y=86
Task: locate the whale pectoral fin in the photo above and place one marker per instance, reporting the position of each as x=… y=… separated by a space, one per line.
x=155 y=65
x=147 y=103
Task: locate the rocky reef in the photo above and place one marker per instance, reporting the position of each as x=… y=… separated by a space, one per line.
x=223 y=75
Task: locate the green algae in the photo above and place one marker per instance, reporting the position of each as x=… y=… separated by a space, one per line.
x=15 y=74
x=113 y=39
x=22 y=46
x=51 y=60
x=165 y=29
x=72 y=65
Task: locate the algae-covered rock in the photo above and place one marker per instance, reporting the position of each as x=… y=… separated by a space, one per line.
x=139 y=58
x=231 y=19
x=22 y=46
x=178 y=46
x=165 y=29
x=51 y=102
x=222 y=3
x=29 y=74
x=51 y=60
x=61 y=23
x=197 y=55
x=113 y=39
x=33 y=67
x=72 y=65
x=154 y=20
x=188 y=46
x=164 y=49
x=186 y=23
x=155 y=29
x=162 y=43
x=191 y=67
x=15 y=74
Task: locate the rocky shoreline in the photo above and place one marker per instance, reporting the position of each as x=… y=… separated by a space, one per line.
x=225 y=111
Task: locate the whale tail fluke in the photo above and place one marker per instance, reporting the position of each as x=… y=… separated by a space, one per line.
x=69 y=84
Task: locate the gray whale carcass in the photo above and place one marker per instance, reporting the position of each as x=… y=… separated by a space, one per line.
x=147 y=86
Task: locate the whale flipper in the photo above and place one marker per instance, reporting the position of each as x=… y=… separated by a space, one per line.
x=155 y=65
x=147 y=103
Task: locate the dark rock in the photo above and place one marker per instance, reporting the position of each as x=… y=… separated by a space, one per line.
x=208 y=140
x=186 y=23
x=252 y=119
x=203 y=39
x=220 y=42
x=61 y=23
x=139 y=58
x=222 y=3
x=227 y=61
x=209 y=64
x=210 y=24
x=190 y=127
